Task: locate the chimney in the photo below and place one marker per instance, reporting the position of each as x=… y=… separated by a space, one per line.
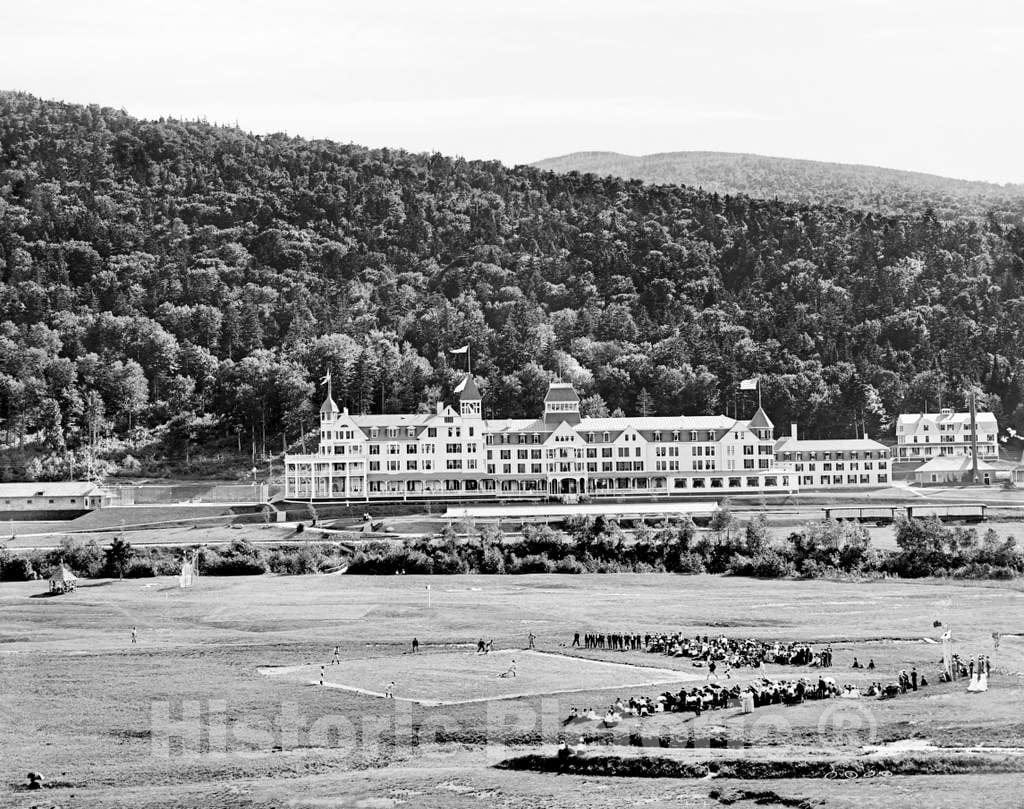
x=440 y=408
x=792 y=430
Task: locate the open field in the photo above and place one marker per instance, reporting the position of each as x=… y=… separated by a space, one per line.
x=461 y=677
x=107 y=721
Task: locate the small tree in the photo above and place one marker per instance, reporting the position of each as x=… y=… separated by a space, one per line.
x=119 y=556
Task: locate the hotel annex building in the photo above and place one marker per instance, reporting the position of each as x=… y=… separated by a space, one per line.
x=456 y=453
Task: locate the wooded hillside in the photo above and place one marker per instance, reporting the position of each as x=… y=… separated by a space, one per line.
x=156 y=275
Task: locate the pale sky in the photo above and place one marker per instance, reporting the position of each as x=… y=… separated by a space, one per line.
x=926 y=85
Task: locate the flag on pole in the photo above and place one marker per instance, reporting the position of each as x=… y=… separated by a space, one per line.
x=326 y=380
x=462 y=350
x=947 y=652
x=749 y=384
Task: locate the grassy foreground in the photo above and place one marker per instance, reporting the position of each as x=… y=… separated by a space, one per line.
x=107 y=722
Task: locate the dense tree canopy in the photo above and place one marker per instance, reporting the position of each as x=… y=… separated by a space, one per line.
x=154 y=269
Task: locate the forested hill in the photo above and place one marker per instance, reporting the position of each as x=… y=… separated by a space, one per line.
x=171 y=273
x=809 y=182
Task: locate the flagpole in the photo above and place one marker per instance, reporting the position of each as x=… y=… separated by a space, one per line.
x=469 y=358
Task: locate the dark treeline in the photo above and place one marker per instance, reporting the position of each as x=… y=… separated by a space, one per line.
x=120 y=559
x=163 y=278
x=823 y=549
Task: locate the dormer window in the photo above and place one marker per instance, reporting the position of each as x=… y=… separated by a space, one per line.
x=605 y=438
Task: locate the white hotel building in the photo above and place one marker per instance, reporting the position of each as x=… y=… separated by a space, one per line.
x=457 y=453
x=923 y=436
x=835 y=462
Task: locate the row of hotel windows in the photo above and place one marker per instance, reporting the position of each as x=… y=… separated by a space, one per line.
x=985 y=449
x=829 y=456
x=505 y=438
x=966 y=437
x=731 y=483
x=769 y=481
x=392 y=432
x=840 y=466
x=829 y=480
x=950 y=427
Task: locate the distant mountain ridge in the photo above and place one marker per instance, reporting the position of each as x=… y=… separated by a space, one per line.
x=889 y=191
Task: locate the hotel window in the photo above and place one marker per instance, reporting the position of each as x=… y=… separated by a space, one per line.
x=675 y=435
x=374 y=432
x=431 y=432
x=657 y=436
x=394 y=449
x=410 y=465
x=604 y=438
x=452 y=448
x=428 y=465
x=411 y=449
x=471 y=463
x=590 y=438
x=375 y=449
x=393 y=466
x=374 y=466
x=535 y=468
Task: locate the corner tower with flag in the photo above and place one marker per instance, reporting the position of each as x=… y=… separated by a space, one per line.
x=470 y=401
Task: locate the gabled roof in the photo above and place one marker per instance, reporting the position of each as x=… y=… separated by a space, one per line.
x=467 y=389
x=62 y=574
x=760 y=421
x=514 y=425
x=944 y=418
x=952 y=463
x=789 y=444
x=55 y=489
x=383 y=420
x=561 y=392
x=663 y=423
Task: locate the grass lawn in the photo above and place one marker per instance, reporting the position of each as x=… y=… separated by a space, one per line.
x=458 y=677
x=103 y=719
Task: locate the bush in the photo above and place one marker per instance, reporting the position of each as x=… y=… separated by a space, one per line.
x=18 y=568
x=140 y=569
x=570 y=564
x=532 y=564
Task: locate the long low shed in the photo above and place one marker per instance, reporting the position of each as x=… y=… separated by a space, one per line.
x=525 y=511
